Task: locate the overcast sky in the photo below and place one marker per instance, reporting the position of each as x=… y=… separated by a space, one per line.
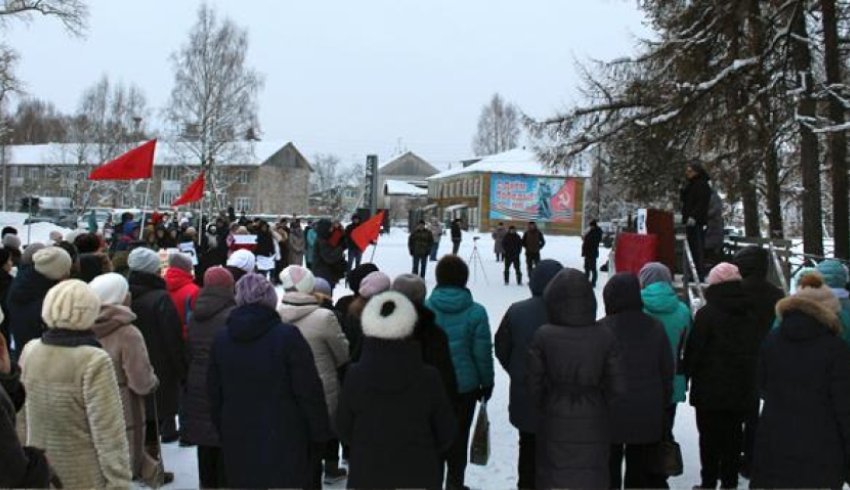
x=350 y=77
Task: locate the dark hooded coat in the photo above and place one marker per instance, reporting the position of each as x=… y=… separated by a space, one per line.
x=435 y=348
x=267 y=400
x=753 y=264
x=513 y=338
x=396 y=416
x=26 y=294
x=574 y=373
x=803 y=437
x=638 y=416
x=696 y=196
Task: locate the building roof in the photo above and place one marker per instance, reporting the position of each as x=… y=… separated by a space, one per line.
x=409 y=164
x=518 y=161
x=245 y=153
x=402 y=188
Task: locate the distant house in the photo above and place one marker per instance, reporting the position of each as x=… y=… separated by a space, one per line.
x=513 y=187
x=339 y=202
x=264 y=178
x=403 y=184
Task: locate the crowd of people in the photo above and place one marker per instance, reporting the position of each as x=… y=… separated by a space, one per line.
x=116 y=348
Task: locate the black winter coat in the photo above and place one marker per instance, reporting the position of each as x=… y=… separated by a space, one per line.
x=574 y=373
x=512 y=245
x=396 y=416
x=696 y=196
x=753 y=264
x=20 y=467
x=803 y=437
x=419 y=243
x=26 y=294
x=456 y=232
x=212 y=308
x=5 y=283
x=533 y=241
x=590 y=243
x=721 y=352
x=513 y=338
x=330 y=262
x=435 y=348
x=159 y=322
x=267 y=400
x=639 y=416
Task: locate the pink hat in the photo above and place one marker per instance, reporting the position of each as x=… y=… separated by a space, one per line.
x=218 y=277
x=724 y=272
x=374 y=283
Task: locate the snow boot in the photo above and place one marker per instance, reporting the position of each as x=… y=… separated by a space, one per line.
x=507 y=278
x=333 y=473
x=519 y=279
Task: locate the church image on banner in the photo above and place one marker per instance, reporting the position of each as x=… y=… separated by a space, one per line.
x=513 y=188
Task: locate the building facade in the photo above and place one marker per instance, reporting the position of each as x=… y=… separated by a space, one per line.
x=265 y=178
x=403 y=184
x=513 y=188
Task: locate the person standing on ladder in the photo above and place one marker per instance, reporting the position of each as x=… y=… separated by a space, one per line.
x=695 y=196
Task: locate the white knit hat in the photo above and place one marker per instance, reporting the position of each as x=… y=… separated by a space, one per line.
x=242 y=259
x=111 y=288
x=389 y=316
x=71 y=305
x=53 y=263
x=297 y=278
x=144 y=260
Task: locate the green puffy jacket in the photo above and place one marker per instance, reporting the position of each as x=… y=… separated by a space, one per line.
x=661 y=302
x=468 y=330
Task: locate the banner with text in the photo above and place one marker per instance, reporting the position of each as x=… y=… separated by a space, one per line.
x=524 y=198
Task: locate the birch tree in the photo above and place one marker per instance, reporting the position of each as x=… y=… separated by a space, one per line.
x=498 y=127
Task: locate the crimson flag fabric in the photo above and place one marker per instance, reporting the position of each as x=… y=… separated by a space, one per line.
x=195 y=192
x=135 y=164
x=368 y=232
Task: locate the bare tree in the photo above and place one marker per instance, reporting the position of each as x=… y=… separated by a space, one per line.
x=333 y=180
x=498 y=127
x=213 y=106
x=73 y=14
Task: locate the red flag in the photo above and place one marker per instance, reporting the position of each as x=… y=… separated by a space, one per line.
x=368 y=232
x=135 y=164
x=195 y=192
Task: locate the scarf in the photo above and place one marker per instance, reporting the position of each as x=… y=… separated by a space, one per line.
x=63 y=337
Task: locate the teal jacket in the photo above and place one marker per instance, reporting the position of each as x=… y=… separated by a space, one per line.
x=310 y=249
x=661 y=302
x=468 y=330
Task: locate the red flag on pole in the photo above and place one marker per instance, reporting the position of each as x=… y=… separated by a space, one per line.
x=368 y=232
x=193 y=193
x=135 y=164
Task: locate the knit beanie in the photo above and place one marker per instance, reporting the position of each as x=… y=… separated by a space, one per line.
x=412 y=287
x=143 y=259
x=452 y=271
x=218 y=277
x=373 y=284
x=298 y=279
x=255 y=289
x=723 y=272
x=32 y=248
x=322 y=286
x=70 y=305
x=389 y=316
x=110 y=288
x=52 y=263
x=12 y=241
x=813 y=287
x=835 y=276
x=55 y=236
x=358 y=273
x=181 y=261
x=242 y=259
x=654 y=272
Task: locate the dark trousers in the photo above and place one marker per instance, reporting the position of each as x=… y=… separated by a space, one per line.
x=639 y=458
x=354 y=258
x=515 y=262
x=696 y=243
x=671 y=420
x=434 y=248
x=590 y=271
x=500 y=257
x=750 y=426
x=455 y=246
x=720 y=436
x=458 y=453
x=211 y=467
x=420 y=263
x=527 y=461
x=531 y=261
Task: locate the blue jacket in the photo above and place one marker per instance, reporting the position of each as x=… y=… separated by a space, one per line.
x=310 y=249
x=835 y=275
x=661 y=302
x=466 y=325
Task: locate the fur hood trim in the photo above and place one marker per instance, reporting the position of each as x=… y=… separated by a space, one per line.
x=814 y=309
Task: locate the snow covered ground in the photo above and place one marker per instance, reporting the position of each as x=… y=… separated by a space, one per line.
x=487 y=287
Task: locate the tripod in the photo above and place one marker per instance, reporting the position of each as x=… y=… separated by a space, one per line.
x=476 y=263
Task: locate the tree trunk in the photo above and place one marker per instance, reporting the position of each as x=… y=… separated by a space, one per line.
x=837 y=140
x=809 y=163
x=774 y=193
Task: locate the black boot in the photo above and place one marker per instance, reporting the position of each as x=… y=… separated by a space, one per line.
x=333 y=473
x=507 y=278
x=519 y=279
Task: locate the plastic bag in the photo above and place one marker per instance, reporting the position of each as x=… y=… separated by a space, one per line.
x=479 y=452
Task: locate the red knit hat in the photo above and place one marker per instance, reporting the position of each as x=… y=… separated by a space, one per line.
x=218 y=277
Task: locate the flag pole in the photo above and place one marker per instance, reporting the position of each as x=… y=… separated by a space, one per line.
x=144 y=202
x=374 y=248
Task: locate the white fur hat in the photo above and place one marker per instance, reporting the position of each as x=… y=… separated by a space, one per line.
x=71 y=305
x=389 y=316
x=242 y=259
x=111 y=288
x=297 y=278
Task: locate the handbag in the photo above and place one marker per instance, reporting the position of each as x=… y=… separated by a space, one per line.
x=479 y=452
x=668 y=458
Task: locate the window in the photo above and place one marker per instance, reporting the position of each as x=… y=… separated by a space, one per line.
x=166 y=197
x=243 y=177
x=242 y=204
x=170 y=172
x=34 y=173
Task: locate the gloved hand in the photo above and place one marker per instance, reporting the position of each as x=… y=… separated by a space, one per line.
x=485 y=393
x=691 y=222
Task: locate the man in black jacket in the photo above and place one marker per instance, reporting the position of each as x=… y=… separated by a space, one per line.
x=533 y=241
x=354 y=253
x=512 y=247
x=590 y=251
x=696 y=196
x=456 y=236
x=419 y=245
